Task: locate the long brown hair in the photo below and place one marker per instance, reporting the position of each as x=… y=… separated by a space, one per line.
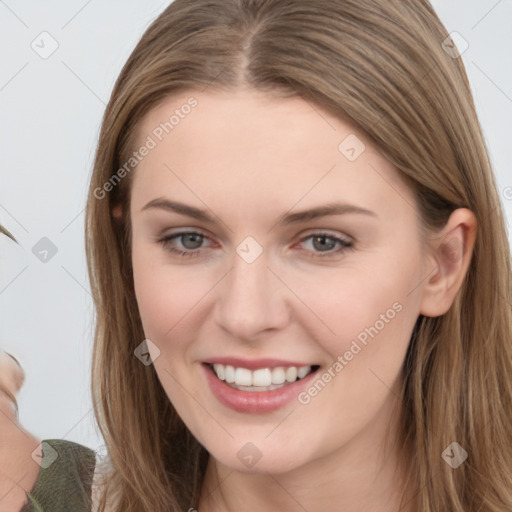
x=382 y=66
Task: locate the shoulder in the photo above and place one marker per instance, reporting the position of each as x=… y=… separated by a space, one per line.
x=65 y=478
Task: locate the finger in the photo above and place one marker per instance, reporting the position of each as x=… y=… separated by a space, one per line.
x=12 y=375
x=8 y=408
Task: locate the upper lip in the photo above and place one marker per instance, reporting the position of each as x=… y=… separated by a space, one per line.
x=254 y=364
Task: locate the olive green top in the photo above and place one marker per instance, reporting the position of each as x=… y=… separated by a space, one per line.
x=65 y=478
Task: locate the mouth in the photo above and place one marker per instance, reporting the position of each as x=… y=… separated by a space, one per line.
x=257 y=386
x=260 y=379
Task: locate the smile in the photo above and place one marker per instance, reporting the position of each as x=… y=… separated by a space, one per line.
x=262 y=379
x=261 y=389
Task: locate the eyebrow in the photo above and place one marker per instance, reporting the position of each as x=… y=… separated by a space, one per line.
x=285 y=219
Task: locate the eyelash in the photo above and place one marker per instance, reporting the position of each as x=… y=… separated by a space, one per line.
x=165 y=242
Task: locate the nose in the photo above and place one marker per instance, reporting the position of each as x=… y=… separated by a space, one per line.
x=251 y=300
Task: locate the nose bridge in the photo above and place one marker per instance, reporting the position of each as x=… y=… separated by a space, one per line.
x=249 y=300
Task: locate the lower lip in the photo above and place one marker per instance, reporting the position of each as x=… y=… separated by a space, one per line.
x=254 y=402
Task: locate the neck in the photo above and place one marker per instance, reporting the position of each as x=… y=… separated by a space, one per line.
x=360 y=476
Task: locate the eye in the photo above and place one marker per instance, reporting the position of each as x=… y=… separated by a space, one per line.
x=190 y=244
x=324 y=243
x=190 y=241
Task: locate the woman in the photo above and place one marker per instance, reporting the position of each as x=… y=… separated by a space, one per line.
x=58 y=473
x=16 y=473
x=300 y=267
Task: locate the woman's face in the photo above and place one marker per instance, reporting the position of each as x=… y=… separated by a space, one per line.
x=268 y=236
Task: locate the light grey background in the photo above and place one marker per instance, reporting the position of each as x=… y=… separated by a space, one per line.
x=51 y=110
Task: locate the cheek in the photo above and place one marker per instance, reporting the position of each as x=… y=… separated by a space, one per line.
x=358 y=303
x=372 y=314
x=164 y=295
x=173 y=302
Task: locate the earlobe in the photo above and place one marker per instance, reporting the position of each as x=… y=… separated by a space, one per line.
x=451 y=255
x=117 y=212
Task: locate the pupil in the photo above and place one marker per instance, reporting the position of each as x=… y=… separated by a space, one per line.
x=322 y=244
x=195 y=243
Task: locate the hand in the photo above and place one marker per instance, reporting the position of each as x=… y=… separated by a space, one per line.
x=18 y=470
x=12 y=378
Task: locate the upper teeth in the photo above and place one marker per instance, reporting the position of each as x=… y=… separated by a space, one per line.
x=260 y=377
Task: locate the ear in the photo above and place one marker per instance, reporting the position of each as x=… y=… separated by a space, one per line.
x=449 y=262
x=117 y=212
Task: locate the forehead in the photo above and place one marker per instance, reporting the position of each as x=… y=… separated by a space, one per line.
x=244 y=121
x=246 y=148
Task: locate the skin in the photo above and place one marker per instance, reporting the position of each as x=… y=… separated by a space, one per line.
x=18 y=471
x=251 y=158
x=248 y=158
